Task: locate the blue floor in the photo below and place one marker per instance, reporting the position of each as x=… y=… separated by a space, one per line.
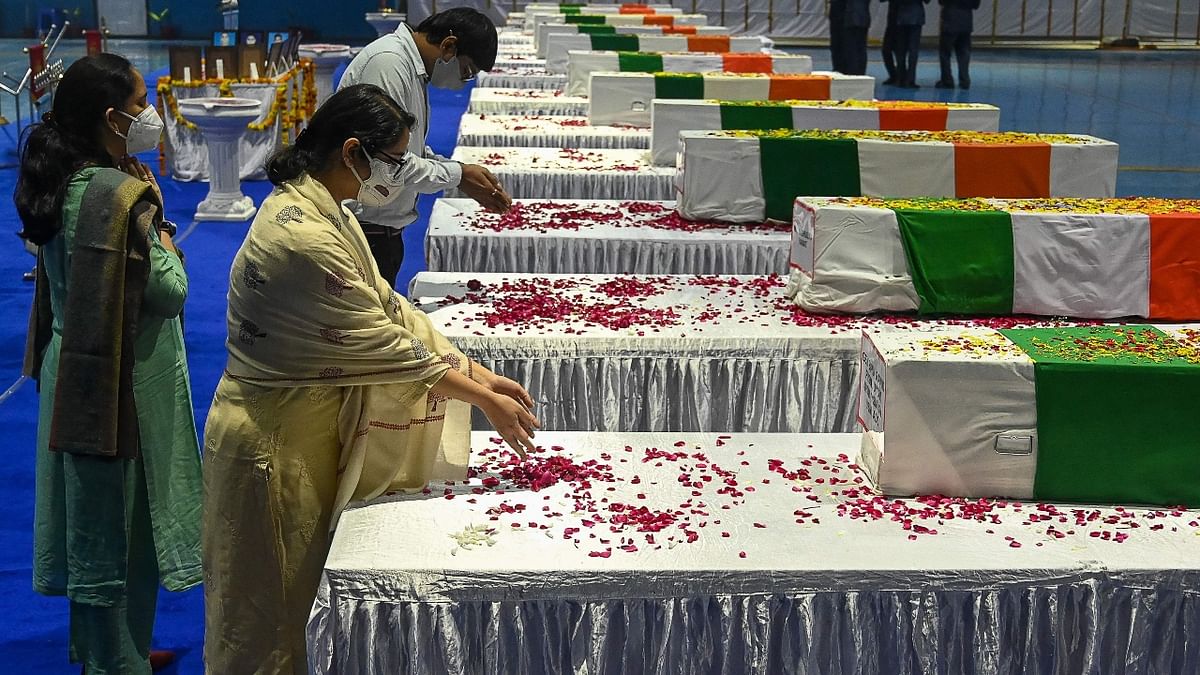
x=1147 y=102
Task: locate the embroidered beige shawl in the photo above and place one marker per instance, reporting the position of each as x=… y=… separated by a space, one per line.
x=307 y=306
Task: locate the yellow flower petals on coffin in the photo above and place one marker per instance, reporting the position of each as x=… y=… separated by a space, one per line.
x=866 y=105
x=972 y=345
x=1121 y=206
x=957 y=136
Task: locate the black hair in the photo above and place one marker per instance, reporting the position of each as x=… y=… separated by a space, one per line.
x=362 y=111
x=68 y=139
x=475 y=32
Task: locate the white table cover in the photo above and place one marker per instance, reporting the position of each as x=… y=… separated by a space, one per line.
x=491 y=101
x=671 y=116
x=721 y=172
x=520 y=60
x=626 y=98
x=733 y=361
x=556 y=173
x=556 y=131
x=593 y=237
x=789 y=579
x=186 y=153
x=536 y=16
x=559 y=44
x=532 y=21
x=584 y=64
x=520 y=78
x=546 y=29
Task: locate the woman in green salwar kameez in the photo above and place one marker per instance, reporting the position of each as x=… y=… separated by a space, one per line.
x=118 y=468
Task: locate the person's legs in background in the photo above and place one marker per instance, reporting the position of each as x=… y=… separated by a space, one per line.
x=910 y=49
x=387 y=247
x=962 y=49
x=946 y=42
x=889 y=54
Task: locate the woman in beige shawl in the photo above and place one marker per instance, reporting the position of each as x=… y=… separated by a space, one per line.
x=336 y=389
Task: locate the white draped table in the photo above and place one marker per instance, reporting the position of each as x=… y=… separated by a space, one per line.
x=491 y=101
x=547 y=131
x=696 y=553
x=558 y=173
x=520 y=78
x=596 y=237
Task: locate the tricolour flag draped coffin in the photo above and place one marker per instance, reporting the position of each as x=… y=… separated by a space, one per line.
x=532 y=22
x=625 y=98
x=671 y=116
x=584 y=64
x=1093 y=414
x=558 y=46
x=746 y=176
x=1079 y=258
x=547 y=29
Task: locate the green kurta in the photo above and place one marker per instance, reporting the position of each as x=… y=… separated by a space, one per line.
x=89 y=534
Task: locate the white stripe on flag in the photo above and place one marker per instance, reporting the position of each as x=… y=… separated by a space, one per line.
x=985 y=118
x=691 y=63
x=1071 y=264
x=1083 y=170
x=888 y=169
x=852 y=87
x=814 y=117
x=735 y=88
x=797 y=64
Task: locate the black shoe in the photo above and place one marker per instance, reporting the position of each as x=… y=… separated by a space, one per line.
x=910 y=85
x=889 y=82
x=965 y=84
x=944 y=84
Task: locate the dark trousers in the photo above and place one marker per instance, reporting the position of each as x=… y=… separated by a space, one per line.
x=960 y=44
x=387 y=247
x=854 y=50
x=889 y=51
x=837 y=48
x=908 y=48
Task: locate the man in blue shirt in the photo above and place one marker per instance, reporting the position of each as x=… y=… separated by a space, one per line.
x=958 y=20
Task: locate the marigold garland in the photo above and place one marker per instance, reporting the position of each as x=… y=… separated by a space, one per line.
x=1118 y=206
x=957 y=136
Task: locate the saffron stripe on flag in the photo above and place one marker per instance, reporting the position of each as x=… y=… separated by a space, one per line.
x=1006 y=170
x=800 y=87
x=913 y=119
x=1175 y=266
x=717 y=44
x=737 y=62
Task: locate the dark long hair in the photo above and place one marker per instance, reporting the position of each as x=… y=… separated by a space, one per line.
x=362 y=111
x=68 y=139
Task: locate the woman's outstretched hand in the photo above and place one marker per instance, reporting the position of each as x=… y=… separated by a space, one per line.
x=512 y=420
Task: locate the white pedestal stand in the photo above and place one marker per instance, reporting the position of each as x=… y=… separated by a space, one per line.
x=385 y=22
x=222 y=121
x=326 y=59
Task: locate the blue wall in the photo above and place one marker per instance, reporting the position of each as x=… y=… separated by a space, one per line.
x=329 y=19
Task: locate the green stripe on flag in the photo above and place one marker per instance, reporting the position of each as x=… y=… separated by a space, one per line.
x=961 y=262
x=597 y=30
x=585 y=18
x=617 y=43
x=637 y=62
x=569 y=9
x=1114 y=428
x=793 y=166
x=679 y=85
x=741 y=116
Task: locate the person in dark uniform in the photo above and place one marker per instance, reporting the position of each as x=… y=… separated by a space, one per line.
x=958 y=20
x=837 y=15
x=855 y=23
x=889 y=44
x=910 y=16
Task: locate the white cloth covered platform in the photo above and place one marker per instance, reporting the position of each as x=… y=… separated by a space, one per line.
x=556 y=131
x=790 y=578
x=595 y=237
x=556 y=173
x=520 y=78
x=490 y=101
x=584 y=64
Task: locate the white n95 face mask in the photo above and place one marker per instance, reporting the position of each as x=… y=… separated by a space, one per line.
x=382 y=188
x=144 y=131
x=447 y=74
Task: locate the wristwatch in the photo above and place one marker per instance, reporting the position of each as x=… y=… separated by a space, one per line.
x=168 y=227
